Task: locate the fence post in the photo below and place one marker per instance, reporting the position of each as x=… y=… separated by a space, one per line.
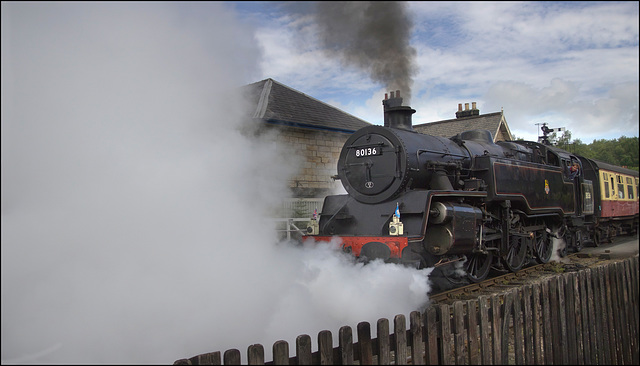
x=281 y=353
x=417 y=345
x=518 y=335
x=432 y=336
x=496 y=329
x=364 y=341
x=458 y=333
x=473 y=338
x=570 y=312
x=445 y=335
x=400 y=332
x=303 y=350
x=232 y=357
x=325 y=347
x=527 y=327
x=255 y=354
x=345 y=341
x=384 y=342
x=485 y=329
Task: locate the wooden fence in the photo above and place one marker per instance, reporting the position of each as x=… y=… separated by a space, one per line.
x=578 y=318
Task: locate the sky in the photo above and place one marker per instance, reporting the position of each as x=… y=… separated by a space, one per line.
x=568 y=64
x=133 y=206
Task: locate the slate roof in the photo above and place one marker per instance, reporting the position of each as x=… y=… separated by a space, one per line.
x=451 y=127
x=277 y=103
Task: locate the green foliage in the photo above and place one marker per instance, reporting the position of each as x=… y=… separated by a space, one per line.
x=622 y=151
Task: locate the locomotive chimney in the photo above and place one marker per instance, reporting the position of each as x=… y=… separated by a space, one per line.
x=395 y=114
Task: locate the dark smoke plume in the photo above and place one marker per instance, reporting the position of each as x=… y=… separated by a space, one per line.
x=373 y=36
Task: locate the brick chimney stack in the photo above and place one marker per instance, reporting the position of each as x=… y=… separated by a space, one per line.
x=467 y=112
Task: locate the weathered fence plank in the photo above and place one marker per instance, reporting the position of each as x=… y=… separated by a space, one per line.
x=570 y=310
x=432 y=336
x=496 y=329
x=417 y=345
x=364 y=341
x=584 y=319
x=255 y=354
x=555 y=322
x=505 y=326
x=303 y=350
x=633 y=309
x=578 y=319
x=400 y=333
x=446 y=351
x=562 y=315
x=485 y=329
x=547 y=322
x=635 y=306
x=592 y=320
x=536 y=309
x=611 y=322
x=602 y=314
x=623 y=300
x=281 y=353
x=325 y=347
x=384 y=342
x=473 y=333
x=458 y=333
x=518 y=335
x=345 y=344
x=231 y=357
x=527 y=326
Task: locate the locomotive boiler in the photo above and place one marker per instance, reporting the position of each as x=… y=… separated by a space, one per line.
x=426 y=201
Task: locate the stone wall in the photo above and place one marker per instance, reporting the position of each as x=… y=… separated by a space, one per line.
x=318 y=152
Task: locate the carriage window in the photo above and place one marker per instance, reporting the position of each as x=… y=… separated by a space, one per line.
x=606 y=189
x=630 y=192
x=621 y=191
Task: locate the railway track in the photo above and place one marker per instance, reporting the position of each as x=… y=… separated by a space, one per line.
x=500 y=283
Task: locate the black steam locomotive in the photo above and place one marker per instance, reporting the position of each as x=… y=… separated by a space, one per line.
x=425 y=200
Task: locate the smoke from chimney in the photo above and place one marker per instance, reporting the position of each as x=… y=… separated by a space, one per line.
x=373 y=36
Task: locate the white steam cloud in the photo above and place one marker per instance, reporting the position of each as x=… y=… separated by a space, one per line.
x=133 y=210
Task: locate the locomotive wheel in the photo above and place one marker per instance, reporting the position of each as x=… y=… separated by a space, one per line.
x=478 y=266
x=516 y=253
x=543 y=247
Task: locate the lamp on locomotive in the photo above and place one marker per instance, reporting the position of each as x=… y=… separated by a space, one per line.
x=395 y=226
x=313 y=228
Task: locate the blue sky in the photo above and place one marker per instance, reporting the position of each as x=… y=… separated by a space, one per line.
x=569 y=64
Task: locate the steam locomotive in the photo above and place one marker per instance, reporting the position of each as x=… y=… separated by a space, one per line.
x=427 y=201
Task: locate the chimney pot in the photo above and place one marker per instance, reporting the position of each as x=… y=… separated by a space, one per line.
x=459 y=107
x=397 y=93
x=466 y=106
x=473 y=105
x=386 y=96
x=391 y=95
